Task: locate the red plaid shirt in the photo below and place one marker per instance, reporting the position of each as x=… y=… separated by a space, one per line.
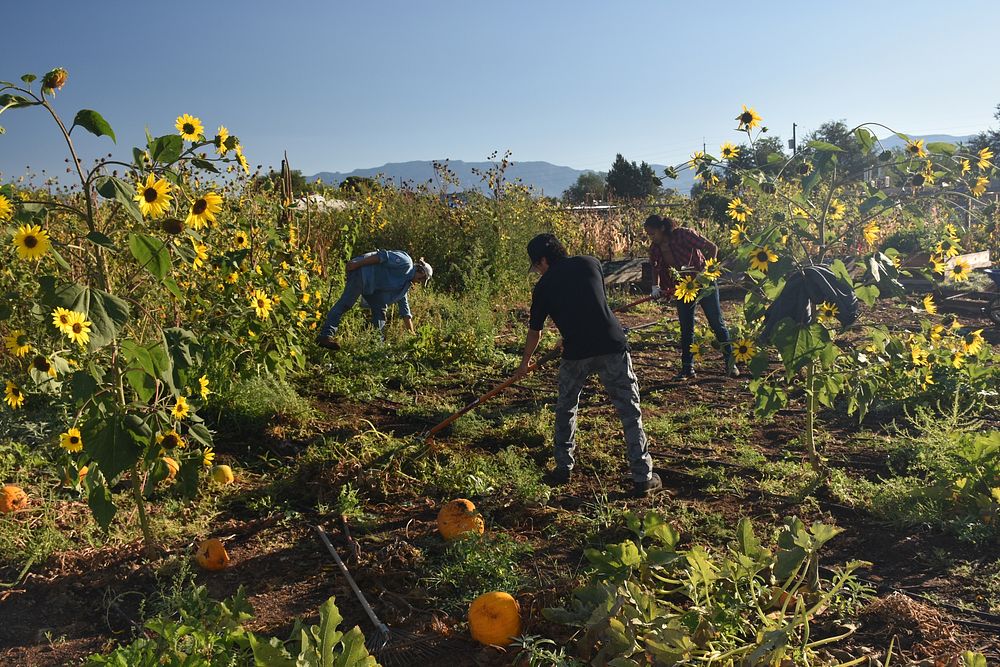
x=686 y=246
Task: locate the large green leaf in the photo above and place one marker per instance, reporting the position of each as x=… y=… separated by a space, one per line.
x=353 y=652
x=106 y=313
x=799 y=344
x=102 y=505
x=768 y=398
x=942 y=147
x=94 y=123
x=329 y=620
x=112 y=446
x=151 y=253
x=166 y=149
x=110 y=187
x=270 y=653
x=824 y=146
x=867 y=293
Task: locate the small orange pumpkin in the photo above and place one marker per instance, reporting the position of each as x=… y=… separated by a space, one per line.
x=495 y=619
x=12 y=499
x=212 y=555
x=459 y=517
x=223 y=474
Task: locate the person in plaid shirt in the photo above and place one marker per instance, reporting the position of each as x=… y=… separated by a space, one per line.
x=685 y=251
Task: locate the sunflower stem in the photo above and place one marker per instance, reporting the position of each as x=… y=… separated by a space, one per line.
x=814 y=459
x=149 y=542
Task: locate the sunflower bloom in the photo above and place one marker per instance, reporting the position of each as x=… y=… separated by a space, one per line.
x=959 y=270
x=871 y=232
x=208 y=458
x=966 y=167
x=232 y=278
x=929 y=305
x=6 y=209
x=697 y=158
x=13 y=395
x=926 y=380
x=200 y=253
x=918 y=355
x=62 y=320
x=936 y=333
x=181 y=408
x=71 y=440
x=737 y=210
x=712 y=269
x=190 y=127
x=78 y=329
x=916 y=148
x=221 y=137
x=242 y=158
x=985 y=155
x=760 y=259
x=707 y=176
x=17 y=343
x=937 y=264
x=948 y=248
x=827 y=313
x=153 y=196
x=203 y=386
x=743 y=350
x=686 y=289
x=43 y=365
x=972 y=342
x=729 y=151
x=738 y=235
x=979 y=189
x=31 y=241
x=748 y=119
x=170 y=440
x=203 y=210
x=957 y=358
x=261 y=303
x=836 y=210
x=241 y=240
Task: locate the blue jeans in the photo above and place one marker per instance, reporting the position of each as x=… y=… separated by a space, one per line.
x=352 y=292
x=713 y=313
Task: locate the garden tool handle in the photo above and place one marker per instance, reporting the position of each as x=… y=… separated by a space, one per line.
x=350 y=580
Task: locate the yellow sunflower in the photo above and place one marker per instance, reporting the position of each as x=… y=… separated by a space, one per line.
x=13 y=395
x=738 y=235
x=929 y=305
x=966 y=167
x=243 y=160
x=170 y=439
x=686 y=289
x=918 y=355
x=17 y=343
x=760 y=259
x=43 y=365
x=62 y=319
x=203 y=386
x=836 y=210
x=827 y=313
x=221 y=136
x=696 y=351
x=799 y=212
x=959 y=270
x=712 y=269
x=748 y=119
x=697 y=158
x=71 y=440
x=871 y=232
x=190 y=127
x=972 y=342
x=957 y=358
x=200 y=253
x=985 y=155
x=203 y=210
x=232 y=278
x=208 y=458
x=936 y=332
x=926 y=379
x=916 y=148
x=242 y=240
x=78 y=329
x=743 y=350
x=937 y=264
x=979 y=189
x=737 y=210
x=261 y=303
x=729 y=151
x=707 y=176
x=31 y=241
x=153 y=196
x=6 y=209
x=181 y=408
x=948 y=248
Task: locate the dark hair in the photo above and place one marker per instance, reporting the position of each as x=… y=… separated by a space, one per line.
x=659 y=222
x=547 y=246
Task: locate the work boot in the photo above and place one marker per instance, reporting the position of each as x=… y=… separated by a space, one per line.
x=649 y=487
x=558 y=477
x=732 y=370
x=328 y=342
x=685 y=374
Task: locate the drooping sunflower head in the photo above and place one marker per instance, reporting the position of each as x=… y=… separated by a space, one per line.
x=929 y=306
x=871 y=232
x=985 y=155
x=979 y=189
x=918 y=180
x=172 y=226
x=153 y=196
x=748 y=119
x=972 y=342
x=54 y=80
x=6 y=209
x=31 y=242
x=190 y=128
x=17 y=343
x=43 y=365
x=916 y=148
x=170 y=440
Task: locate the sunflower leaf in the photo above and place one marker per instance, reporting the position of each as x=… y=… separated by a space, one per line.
x=825 y=146
x=106 y=313
x=205 y=164
x=110 y=187
x=102 y=505
x=112 y=447
x=151 y=253
x=94 y=123
x=167 y=148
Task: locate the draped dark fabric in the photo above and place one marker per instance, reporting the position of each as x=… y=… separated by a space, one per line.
x=804 y=290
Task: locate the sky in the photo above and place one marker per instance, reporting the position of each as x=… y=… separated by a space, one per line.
x=345 y=85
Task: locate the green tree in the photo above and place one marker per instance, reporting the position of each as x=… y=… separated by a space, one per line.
x=590 y=186
x=852 y=161
x=628 y=180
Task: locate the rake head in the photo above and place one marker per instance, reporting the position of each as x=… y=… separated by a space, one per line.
x=395 y=648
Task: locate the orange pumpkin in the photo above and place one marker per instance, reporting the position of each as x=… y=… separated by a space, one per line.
x=12 y=499
x=459 y=517
x=223 y=474
x=495 y=619
x=212 y=555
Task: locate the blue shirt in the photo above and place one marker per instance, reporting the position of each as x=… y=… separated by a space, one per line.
x=388 y=281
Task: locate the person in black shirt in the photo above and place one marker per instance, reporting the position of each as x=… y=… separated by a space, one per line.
x=571 y=292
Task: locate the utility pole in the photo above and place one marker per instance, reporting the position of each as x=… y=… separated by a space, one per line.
x=792 y=143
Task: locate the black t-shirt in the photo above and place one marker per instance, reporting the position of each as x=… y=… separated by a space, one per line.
x=572 y=293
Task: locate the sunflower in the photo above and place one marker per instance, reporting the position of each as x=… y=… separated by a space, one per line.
x=936 y=333
x=972 y=342
x=729 y=151
x=738 y=211
x=71 y=440
x=805 y=168
x=242 y=158
x=871 y=232
x=181 y=408
x=232 y=278
x=220 y=140
x=957 y=358
x=31 y=241
x=926 y=379
x=937 y=264
x=200 y=253
x=980 y=187
x=759 y=259
x=985 y=155
x=748 y=119
x=6 y=209
x=153 y=196
x=261 y=302
x=836 y=210
x=190 y=127
x=13 y=395
x=203 y=386
x=43 y=366
x=929 y=305
x=918 y=355
x=61 y=319
x=959 y=270
x=916 y=148
x=303 y=282
x=208 y=458
x=707 y=176
x=966 y=167
x=948 y=248
x=743 y=351
x=738 y=235
x=78 y=329
x=170 y=439
x=712 y=269
x=242 y=240
x=696 y=351
x=17 y=343
x=799 y=212
x=203 y=210
x=686 y=289
x=827 y=312
x=697 y=158
x=951 y=231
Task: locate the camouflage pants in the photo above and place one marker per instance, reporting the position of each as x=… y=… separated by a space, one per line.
x=615 y=372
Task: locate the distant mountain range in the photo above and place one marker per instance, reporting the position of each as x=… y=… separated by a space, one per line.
x=548 y=179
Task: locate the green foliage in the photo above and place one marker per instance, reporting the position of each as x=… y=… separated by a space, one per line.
x=468 y=567
x=627 y=180
x=506 y=477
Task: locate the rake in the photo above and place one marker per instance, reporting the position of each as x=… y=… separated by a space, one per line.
x=390 y=647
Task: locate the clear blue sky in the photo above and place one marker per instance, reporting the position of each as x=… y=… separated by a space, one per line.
x=343 y=85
